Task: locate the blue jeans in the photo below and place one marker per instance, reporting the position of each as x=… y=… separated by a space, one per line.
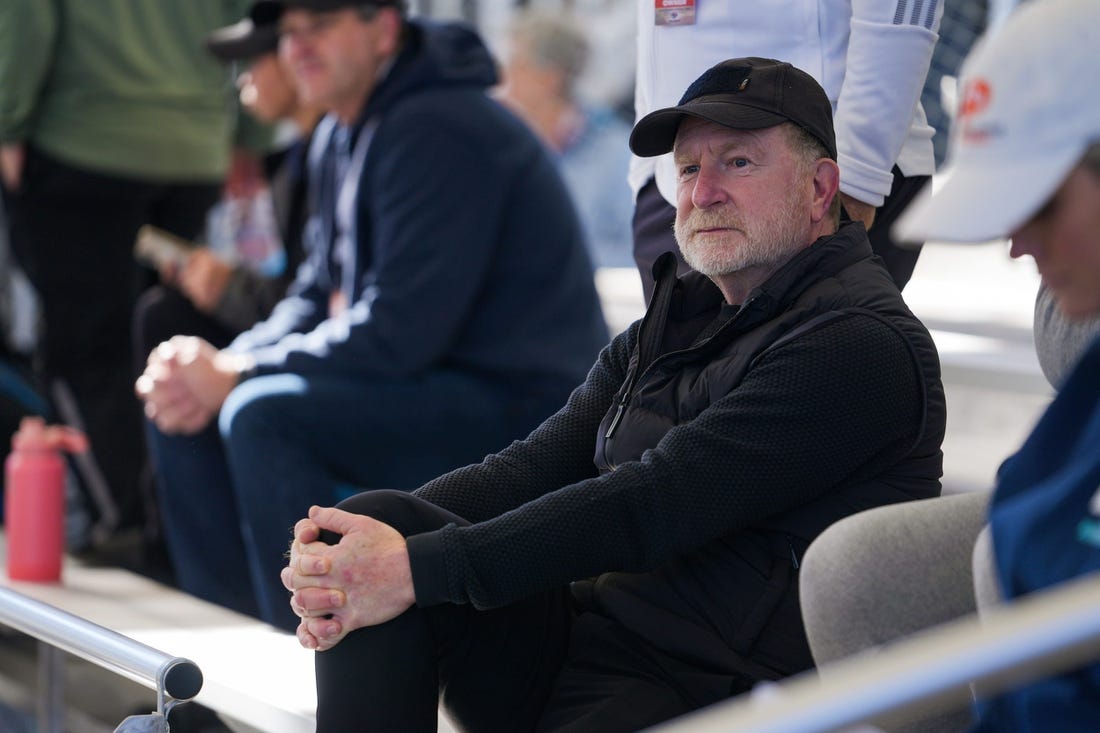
x=230 y=495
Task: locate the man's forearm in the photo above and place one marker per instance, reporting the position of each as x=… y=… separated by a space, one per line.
x=12 y=157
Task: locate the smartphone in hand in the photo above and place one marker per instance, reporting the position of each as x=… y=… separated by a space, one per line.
x=160 y=249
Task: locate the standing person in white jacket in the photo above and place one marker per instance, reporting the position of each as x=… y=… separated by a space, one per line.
x=871 y=56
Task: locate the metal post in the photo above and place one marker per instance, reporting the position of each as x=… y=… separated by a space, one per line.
x=51 y=689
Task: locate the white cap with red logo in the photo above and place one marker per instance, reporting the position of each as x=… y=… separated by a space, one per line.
x=1030 y=108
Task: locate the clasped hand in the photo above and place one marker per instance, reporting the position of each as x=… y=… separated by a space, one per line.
x=184 y=384
x=363 y=580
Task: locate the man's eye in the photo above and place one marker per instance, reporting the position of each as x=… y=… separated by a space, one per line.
x=688 y=170
x=739 y=162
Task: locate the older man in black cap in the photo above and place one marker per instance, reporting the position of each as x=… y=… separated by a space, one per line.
x=782 y=386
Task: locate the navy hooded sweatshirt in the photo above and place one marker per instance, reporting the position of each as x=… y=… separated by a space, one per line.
x=458 y=248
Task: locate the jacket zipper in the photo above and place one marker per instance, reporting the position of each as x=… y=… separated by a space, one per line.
x=640 y=372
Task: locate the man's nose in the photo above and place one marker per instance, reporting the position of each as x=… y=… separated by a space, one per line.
x=708 y=189
x=292 y=45
x=1023 y=243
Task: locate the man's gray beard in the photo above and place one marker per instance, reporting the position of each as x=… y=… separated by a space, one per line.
x=769 y=244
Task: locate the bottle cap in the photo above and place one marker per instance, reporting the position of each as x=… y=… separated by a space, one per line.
x=35 y=434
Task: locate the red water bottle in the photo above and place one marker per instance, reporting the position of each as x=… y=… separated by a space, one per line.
x=34 y=498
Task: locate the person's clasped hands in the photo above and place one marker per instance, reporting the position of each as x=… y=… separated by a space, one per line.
x=185 y=382
x=363 y=580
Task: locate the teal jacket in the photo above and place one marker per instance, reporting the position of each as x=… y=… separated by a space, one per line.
x=123 y=87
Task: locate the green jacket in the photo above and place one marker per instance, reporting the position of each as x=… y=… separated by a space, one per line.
x=123 y=87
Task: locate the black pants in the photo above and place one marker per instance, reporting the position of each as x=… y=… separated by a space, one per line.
x=654 y=217
x=539 y=664
x=73 y=231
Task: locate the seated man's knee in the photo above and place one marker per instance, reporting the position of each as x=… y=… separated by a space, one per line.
x=401 y=510
x=258 y=405
x=381 y=504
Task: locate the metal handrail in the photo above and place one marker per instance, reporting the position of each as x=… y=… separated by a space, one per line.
x=1036 y=636
x=176 y=677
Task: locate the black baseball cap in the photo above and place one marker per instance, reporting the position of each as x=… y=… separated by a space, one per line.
x=742 y=94
x=322 y=6
x=253 y=36
x=259 y=32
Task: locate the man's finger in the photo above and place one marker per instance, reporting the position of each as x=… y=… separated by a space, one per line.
x=306 y=639
x=306 y=531
x=176 y=415
x=337 y=520
x=183 y=417
x=326 y=632
x=165 y=351
x=309 y=561
x=286 y=575
x=196 y=421
x=143 y=387
x=316 y=602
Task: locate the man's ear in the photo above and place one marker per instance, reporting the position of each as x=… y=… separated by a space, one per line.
x=826 y=187
x=391 y=23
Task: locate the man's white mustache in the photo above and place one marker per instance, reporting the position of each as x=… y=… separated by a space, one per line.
x=698 y=220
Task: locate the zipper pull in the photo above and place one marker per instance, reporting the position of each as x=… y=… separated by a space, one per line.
x=615 y=420
x=794 y=555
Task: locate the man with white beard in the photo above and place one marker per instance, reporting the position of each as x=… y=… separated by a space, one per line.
x=636 y=557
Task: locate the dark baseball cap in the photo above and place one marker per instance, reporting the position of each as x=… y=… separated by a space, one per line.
x=259 y=32
x=742 y=94
x=253 y=36
x=322 y=6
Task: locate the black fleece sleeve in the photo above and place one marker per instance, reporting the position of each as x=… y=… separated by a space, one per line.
x=822 y=409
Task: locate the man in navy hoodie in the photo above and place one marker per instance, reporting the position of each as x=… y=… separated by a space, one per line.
x=445 y=308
